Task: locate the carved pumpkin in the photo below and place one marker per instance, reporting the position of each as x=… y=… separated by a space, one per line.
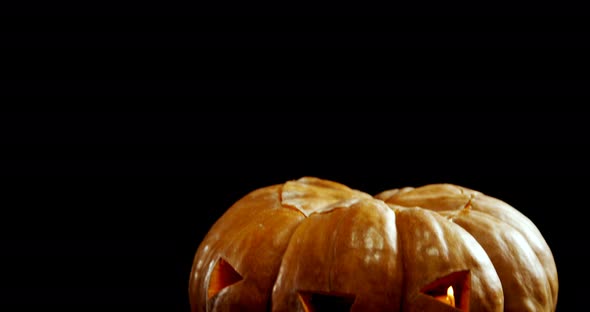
x=317 y=245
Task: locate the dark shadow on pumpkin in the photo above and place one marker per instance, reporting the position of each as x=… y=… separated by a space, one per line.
x=222 y=276
x=453 y=289
x=325 y=301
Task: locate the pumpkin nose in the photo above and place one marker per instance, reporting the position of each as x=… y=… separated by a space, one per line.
x=319 y=301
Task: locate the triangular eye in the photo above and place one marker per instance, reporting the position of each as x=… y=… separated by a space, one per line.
x=325 y=301
x=453 y=289
x=223 y=275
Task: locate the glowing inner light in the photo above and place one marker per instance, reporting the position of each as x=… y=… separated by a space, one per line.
x=451 y=296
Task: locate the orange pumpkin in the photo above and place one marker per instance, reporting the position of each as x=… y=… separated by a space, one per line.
x=317 y=245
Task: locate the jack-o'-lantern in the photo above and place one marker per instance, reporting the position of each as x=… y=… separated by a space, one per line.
x=317 y=245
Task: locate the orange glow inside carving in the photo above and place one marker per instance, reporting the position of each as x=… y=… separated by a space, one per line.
x=449 y=298
x=223 y=275
x=453 y=289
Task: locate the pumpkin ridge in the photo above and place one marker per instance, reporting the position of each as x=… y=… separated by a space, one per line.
x=473 y=206
x=498 y=262
x=333 y=251
x=401 y=248
x=334 y=207
x=289 y=243
x=546 y=275
x=410 y=244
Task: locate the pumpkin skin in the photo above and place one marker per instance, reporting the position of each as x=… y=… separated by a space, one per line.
x=311 y=238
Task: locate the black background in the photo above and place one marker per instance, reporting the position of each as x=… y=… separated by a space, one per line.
x=106 y=210
x=147 y=126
